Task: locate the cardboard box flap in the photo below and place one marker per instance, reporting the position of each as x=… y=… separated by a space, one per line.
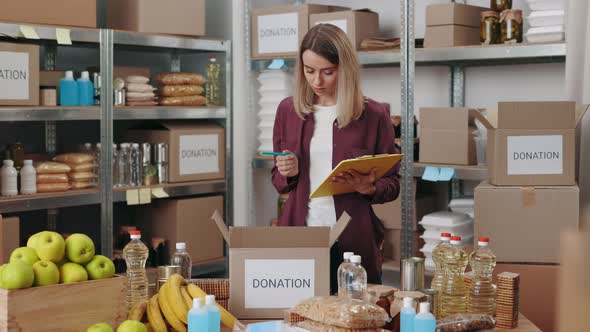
x=489 y=120
x=279 y=237
x=537 y=115
x=221 y=225
x=580 y=112
x=339 y=228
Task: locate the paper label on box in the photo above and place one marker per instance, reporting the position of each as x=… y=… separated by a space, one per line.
x=278 y=33
x=14 y=75
x=198 y=154
x=277 y=283
x=339 y=23
x=530 y=155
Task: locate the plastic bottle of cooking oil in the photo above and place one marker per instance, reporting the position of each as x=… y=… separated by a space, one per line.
x=482 y=292
x=136 y=254
x=213 y=85
x=438 y=255
x=454 y=291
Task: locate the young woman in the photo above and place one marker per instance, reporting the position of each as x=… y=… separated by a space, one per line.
x=326 y=121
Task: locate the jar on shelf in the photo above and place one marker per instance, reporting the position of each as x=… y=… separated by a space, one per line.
x=511 y=26
x=490 y=28
x=500 y=5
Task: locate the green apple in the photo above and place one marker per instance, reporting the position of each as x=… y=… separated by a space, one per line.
x=17 y=275
x=24 y=255
x=2 y=268
x=32 y=242
x=72 y=272
x=132 y=326
x=46 y=273
x=100 y=327
x=100 y=267
x=50 y=246
x=79 y=248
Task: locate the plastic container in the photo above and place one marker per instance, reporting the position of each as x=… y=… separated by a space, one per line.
x=550 y=34
x=448 y=222
x=136 y=254
x=546 y=4
x=482 y=292
x=424 y=321
x=183 y=259
x=9 y=179
x=408 y=313
x=28 y=178
x=354 y=280
x=545 y=18
x=213 y=314
x=454 y=291
x=213 y=84
x=85 y=90
x=68 y=90
x=342 y=269
x=197 y=317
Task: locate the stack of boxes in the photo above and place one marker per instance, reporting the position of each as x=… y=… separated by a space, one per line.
x=452 y=24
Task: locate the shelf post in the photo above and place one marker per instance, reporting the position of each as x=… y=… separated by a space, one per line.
x=457 y=97
x=106 y=141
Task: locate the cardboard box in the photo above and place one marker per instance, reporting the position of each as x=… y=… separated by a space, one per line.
x=179 y=17
x=278 y=31
x=54 y=12
x=9 y=237
x=19 y=77
x=523 y=222
x=538 y=292
x=391 y=213
x=454 y=14
x=185 y=220
x=451 y=36
x=392 y=248
x=271 y=269
x=196 y=148
x=446 y=136
x=358 y=24
x=532 y=143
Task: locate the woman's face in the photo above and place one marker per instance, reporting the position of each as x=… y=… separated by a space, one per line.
x=321 y=74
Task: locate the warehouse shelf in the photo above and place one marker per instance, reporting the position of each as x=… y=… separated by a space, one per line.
x=214 y=266
x=176 y=189
x=470 y=173
x=49 y=200
x=77 y=35
x=164 y=112
x=262 y=162
x=49 y=113
x=174 y=42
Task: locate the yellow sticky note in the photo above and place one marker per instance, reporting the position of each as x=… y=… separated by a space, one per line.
x=63 y=36
x=159 y=193
x=132 y=197
x=29 y=32
x=145 y=196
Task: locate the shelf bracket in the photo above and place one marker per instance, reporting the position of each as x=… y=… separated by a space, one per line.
x=457 y=97
x=106 y=141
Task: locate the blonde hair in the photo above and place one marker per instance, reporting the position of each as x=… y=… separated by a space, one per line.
x=331 y=42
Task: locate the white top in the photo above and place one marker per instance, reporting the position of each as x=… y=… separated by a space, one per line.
x=180 y=246
x=210 y=300
x=69 y=75
x=197 y=302
x=356 y=259
x=136 y=236
x=321 y=210
x=408 y=302
x=85 y=76
x=347 y=255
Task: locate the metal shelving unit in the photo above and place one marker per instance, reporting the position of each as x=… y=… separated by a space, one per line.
x=49 y=201
x=166 y=113
x=177 y=189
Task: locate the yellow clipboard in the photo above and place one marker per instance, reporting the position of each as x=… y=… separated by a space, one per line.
x=383 y=163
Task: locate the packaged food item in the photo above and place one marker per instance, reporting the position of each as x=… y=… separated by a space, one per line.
x=500 y=5
x=180 y=78
x=489 y=32
x=511 y=26
x=140 y=87
x=183 y=101
x=140 y=94
x=137 y=79
x=52 y=167
x=82 y=185
x=86 y=167
x=52 y=178
x=180 y=90
x=342 y=312
x=74 y=158
x=52 y=187
x=319 y=327
x=465 y=322
x=81 y=176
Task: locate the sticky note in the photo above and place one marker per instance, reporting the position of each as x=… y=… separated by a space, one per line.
x=63 y=36
x=159 y=193
x=277 y=64
x=446 y=174
x=145 y=196
x=29 y=32
x=132 y=196
x=431 y=174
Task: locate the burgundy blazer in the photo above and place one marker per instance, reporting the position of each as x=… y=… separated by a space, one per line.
x=371 y=134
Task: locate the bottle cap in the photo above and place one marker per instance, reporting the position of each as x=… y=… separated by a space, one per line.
x=210 y=299
x=212 y=59
x=355 y=259
x=135 y=234
x=445 y=236
x=85 y=75
x=88 y=145
x=408 y=302
x=197 y=302
x=483 y=241
x=348 y=254
x=180 y=245
x=69 y=75
x=28 y=162
x=98 y=145
x=424 y=307
x=455 y=240
x=8 y=163
x=135 y=145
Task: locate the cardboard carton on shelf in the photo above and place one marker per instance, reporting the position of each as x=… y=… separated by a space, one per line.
x=54 y=12
x=271 y=269
x=392 y=244
x=9 y=237
x=19 y=78
x=357 y=24
x=452 y=24
x=524 y=222
x=278 y=31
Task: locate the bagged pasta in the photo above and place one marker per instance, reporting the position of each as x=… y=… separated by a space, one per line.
x=183 y=101
x=319 y=327
x=52 y=167
x=52 y=178
x=82 y=185
x=74 y=158
x=342 y=312
x=136 y=79
x=180 y=90
x=137 y=87
x=85 y=167
x=465 y=322
x=180 y=78
x=82 y=176
x=52 y=187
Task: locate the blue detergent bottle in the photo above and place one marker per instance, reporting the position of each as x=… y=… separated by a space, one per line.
x=68 y=90
x=85 y=90
x=198 y=320
x=408 y=314
x=424 y=320
x=213 y=314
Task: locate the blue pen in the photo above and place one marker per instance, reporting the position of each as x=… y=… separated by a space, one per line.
x=274 y=154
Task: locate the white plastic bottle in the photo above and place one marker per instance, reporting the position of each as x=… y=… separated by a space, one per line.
x=408 y=313
x=183 y=259
x=197 y=317
x=9 y=179
x=28 y=178
x=424 y=321
x=213 y=314
x=355 y=280
x=341 y=269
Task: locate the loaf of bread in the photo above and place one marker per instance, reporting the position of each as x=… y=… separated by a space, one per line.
x=52 y=167
x=180 y=78
x=183 y=101
x=52 y=187
x=180 y=90
x=52 y=178
x=82 y=185
x=81 y=176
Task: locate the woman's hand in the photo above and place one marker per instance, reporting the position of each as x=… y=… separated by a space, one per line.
x=288 y=166
x=362 y=183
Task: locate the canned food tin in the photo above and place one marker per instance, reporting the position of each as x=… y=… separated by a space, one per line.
x=412 y=274
x=164 y=272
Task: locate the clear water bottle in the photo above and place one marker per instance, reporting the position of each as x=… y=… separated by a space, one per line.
x=482 y=292
x=135 y=165
x=136 y=254
x=183 y=259
x=341 y=269
x=355 y=279
x=114 y=166
x=123 y=166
